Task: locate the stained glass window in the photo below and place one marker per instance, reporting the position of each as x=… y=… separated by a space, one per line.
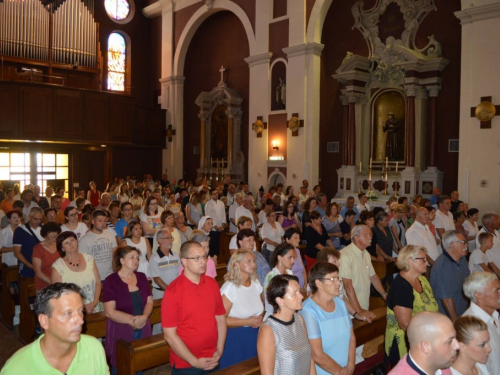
x=117 y=9
x=116 y=62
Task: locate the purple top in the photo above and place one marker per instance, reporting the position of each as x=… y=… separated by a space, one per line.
x=114 y=289
x=288 y=222
x=298 y=268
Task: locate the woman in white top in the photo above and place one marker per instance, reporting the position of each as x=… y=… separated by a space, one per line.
x=72 y=223
x=474 y=340
x=133 y=237
x=282 y=261
x=244 y=222
x=6 y=236
x=242 y=298
x=266 y=208
x=79 y=269
x=272 y=234
x=150 y=218
x=124 y=194
x=470 y=225
x=172 y=204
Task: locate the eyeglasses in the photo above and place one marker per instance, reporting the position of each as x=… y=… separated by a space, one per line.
x=166 y=238
x=424 y=259
x=463 y=242
x=332 y=278
x=197 y=259
x=73 y=215
x=36 y=218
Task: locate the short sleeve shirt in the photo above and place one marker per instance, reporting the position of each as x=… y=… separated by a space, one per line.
x=442 y=221
x=100 y=246
x=447 y=279
x=164 y=267
x=246 y=300
x=192 y=309
x=476 y=258
x=356 y=265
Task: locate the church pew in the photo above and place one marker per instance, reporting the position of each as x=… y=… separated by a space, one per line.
x=221 y=270
x=27 y=318
x=154 y=351
x=224 y=255
x=10 y=274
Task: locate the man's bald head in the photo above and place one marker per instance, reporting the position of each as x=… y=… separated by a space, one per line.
x=422 y=215
x=426 y=326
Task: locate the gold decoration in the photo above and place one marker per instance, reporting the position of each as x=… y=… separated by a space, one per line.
x=258 y=126
x=294 y=124
x=485 y=111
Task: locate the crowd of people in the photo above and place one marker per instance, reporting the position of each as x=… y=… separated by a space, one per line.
x=96 y=253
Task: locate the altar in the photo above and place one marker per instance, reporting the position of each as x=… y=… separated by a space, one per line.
x=380 y=202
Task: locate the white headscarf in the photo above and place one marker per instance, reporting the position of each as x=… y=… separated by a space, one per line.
x=201 y=223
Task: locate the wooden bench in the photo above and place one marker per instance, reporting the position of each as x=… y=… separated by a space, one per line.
x=154 y=351
x=10 y=274
x=221 y=270
x=27 y=318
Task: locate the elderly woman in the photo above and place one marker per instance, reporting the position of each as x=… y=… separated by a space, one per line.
x=128 y=302
x=272 y=234
x=244 y=222
x=317 y=238
x=282 y=345
x=194 y=211
x=290 y=218
x=72 y=224
x=332 y=221
x=133 y=238
x=79 y=269
x=282 y=263
x=325 y=312
x=241 y=295
x=6 y=235
x=204 y=241
x=474 y=340
x=45 y=254
x=180 y=223
x=292 y=237
x=471 y=225
x=385 y=241
x=409 y=294
x=206 y=224
x=150 y=218
x=246 y=241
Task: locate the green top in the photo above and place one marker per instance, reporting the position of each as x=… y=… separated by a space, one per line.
x=89 y=359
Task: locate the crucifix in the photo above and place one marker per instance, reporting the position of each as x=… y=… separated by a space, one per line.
x=170 y=133
x=294 y=124
x=485 y=112
x=222 y=70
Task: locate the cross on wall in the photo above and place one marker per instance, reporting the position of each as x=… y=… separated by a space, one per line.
x=485 y=124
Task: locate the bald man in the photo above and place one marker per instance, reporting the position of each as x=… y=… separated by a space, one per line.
x=433 y=346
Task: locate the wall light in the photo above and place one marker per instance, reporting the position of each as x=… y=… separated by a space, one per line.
x=275 y=145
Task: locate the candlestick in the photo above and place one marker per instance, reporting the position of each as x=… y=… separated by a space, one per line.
x=385 y=183
x=359 y=179
x=360 y=168
x=397 y=163
x=370 y=163
x=370 y=177
x=396 y=182
x=386 y=163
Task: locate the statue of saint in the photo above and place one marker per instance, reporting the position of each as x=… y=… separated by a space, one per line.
x=391 y=127
x=281 y=93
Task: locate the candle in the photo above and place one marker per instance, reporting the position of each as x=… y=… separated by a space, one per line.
x=386 y=163
x=397 y=166
x=359 y=167
x=370 y=163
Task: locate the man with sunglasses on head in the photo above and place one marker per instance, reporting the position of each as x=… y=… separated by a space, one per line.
x=25 y=238
x=193 y=316
x=448 y=275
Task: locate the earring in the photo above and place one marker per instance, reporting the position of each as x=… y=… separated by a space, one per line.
x=280 y=263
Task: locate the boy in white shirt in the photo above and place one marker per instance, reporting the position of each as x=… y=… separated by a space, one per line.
x=478 y=260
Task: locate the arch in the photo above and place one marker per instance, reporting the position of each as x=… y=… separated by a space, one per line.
x=316 y=20
x=197 y=19
x=276 y=176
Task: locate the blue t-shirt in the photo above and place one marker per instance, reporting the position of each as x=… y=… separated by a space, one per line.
x=334 y=330
x=27 y=242
x=345 y=209
x=120 y=228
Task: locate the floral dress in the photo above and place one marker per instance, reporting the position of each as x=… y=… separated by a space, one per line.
x=402 y=294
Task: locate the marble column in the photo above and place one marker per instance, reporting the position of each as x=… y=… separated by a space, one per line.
x=231 y=113
x=203 y=115
x=433 y=94
x=345 y=129
x=352 y=99
x=411 y=92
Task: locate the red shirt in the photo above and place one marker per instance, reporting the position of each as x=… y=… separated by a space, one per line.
x=192 y=309
x=47 y=259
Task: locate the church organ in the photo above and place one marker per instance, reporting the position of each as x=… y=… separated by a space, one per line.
x=56 y=33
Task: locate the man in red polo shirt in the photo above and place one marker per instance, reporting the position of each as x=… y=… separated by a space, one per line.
x=193 y=316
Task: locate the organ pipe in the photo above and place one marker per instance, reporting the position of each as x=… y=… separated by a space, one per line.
x=62 y=31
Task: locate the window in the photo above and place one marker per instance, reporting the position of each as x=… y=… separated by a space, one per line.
x=117 y=10
x=116 y=62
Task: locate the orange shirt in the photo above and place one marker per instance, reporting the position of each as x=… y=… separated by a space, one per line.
x=6 y=206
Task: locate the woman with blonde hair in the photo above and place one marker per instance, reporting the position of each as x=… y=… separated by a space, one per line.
x=409 y=294
x=241 y=295
x=474 y=340
x=194 y=211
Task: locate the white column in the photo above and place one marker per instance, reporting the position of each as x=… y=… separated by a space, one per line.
x=258 y=106
x=420 y=128
x=302 y=92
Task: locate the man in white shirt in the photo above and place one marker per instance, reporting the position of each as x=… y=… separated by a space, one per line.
x=26 y=197
x=444 y=219
x=491 y=224
x=419 y=234
x=100 y=243
x=231 y=190
x=303 y=194
x=238 y=201
x=483 y=289
x=279 y=191
x=216 y=210
x=79 y=192
x=246 y=209
x=362 y=205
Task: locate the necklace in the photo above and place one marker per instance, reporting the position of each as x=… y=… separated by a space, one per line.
x=73 y=264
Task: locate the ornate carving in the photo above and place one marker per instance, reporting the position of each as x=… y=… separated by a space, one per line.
x=344 y=99
x=355 y=97
x=433 y=90
x=209 y=4
x=421 y=92
x=411 y=90
x=385 y=64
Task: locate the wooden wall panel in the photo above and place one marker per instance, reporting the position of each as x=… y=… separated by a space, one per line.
x=141 y=125
x=68 y=114
x=157 y=128
x=91 y=168
x=120 y=120
x=9 y=111
x=96 y=117
x=36 y=112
